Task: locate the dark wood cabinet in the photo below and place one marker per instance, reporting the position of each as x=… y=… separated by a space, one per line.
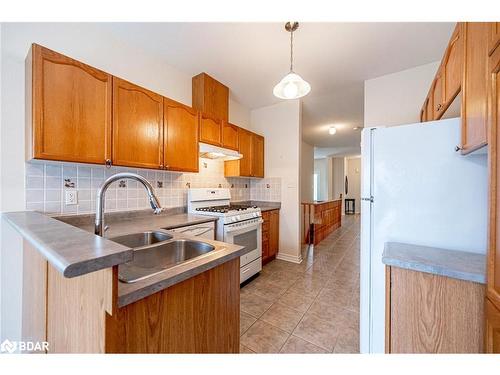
x=68 y=109
x=137 y=126
x=270 y=235
x=180 y=137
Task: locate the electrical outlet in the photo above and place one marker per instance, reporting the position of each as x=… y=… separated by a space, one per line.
x=71 y=197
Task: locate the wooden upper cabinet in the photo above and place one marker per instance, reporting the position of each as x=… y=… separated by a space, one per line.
x=230 y=136
x=452 y=66
x=474 y=86
x=493 y=257
x=245 y=149
x=494 y=36
x=257 y=156
x=180 y=137
x=438 y=95
x=251 y=147
x=210 y=97
x=68 y=108
x=429 y=113
x=210 y=130
x=137 y=126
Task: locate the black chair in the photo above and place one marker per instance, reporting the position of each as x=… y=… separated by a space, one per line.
x=349 y=206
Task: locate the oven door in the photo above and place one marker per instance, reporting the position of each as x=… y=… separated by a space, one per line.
x=249 y=236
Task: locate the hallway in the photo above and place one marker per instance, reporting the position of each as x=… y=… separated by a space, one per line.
x=312 y=307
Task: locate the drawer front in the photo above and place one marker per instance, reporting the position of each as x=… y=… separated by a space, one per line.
x=250 y=269
x=251 y=256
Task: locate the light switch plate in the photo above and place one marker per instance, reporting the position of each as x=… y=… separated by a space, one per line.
x=71 y=197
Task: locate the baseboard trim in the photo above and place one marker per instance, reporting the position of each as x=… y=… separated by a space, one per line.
x=289 y=258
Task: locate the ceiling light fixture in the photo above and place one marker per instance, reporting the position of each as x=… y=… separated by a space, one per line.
x=332 y=130
x=292 y=86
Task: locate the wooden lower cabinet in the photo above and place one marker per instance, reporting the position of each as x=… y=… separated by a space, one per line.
x=81 y=314
x=199 y=315
x=427 y=313
x=270 y=235
x=492 y=329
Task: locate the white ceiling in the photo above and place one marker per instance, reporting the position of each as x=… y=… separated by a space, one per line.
x=335 y=58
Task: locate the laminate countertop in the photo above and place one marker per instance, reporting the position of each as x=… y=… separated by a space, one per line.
x=455 y=264
x=263 y=205
x=69 y=244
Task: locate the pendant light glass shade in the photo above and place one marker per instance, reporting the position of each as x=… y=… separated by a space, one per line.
x=292 y=86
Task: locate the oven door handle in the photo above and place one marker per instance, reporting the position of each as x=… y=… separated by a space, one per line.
x=246 y=228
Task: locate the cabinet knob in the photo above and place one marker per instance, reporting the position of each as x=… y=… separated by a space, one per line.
x=457 y=148
x=439 y=106
x=108 y=163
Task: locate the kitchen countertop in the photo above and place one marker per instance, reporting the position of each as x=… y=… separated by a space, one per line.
x=263 y=205
x=455 y=264
x=120 y=223
x=322 y=202
x=69 y=244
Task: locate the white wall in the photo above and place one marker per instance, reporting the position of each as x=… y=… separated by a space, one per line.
x=306 y=179
x=338 y=179
x=87 y=43
x=353 y=173
x=321 y=169
x=280 y=124
x=397 y=98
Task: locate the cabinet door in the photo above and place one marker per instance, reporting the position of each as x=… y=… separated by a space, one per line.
x=180 y=137
x=493 y=263
x=210 y=130
x=492 y=329
x=230 y=136
x=257 y=156
x=494 y=36
x=474 y=86
x=429 y=111
x=437 y=95
x=423 y=112
x=274 y=232
x=453 y=67
x=137 y=126
x=68 y=108
x=245 y=148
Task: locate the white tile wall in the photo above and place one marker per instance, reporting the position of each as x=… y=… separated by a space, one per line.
x=266 y=189
x=46 y=183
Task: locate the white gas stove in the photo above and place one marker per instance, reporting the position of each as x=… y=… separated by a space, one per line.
x=238 y=224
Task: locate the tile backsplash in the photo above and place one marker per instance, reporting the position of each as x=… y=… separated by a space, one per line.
x=47 y=183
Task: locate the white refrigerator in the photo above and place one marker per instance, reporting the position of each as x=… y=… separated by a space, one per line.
x=415 y=188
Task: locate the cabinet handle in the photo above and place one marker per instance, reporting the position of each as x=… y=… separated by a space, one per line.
x=458 y=148
x=439 y=106
x=108 y=163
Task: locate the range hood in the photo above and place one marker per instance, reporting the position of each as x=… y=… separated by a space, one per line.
x=213 y=152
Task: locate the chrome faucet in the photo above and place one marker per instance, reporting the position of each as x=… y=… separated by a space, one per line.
x=99 y=212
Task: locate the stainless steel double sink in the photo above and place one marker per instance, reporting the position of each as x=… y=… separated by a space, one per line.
x=156 y=251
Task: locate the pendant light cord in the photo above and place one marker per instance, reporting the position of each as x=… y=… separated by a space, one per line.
x=291 y=51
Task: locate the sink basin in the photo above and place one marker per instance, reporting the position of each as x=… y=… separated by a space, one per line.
x=152 y=260
x=135 y=240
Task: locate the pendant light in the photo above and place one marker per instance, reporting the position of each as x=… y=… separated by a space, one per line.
x=292 y=86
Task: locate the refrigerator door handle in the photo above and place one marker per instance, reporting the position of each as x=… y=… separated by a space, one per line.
x=368 y=199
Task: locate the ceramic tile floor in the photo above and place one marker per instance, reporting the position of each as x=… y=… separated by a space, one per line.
x=312 y=307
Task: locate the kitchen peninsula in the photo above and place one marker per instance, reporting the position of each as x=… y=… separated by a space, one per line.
x=72 y=296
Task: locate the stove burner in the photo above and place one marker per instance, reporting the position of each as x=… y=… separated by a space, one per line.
x=226 y=209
